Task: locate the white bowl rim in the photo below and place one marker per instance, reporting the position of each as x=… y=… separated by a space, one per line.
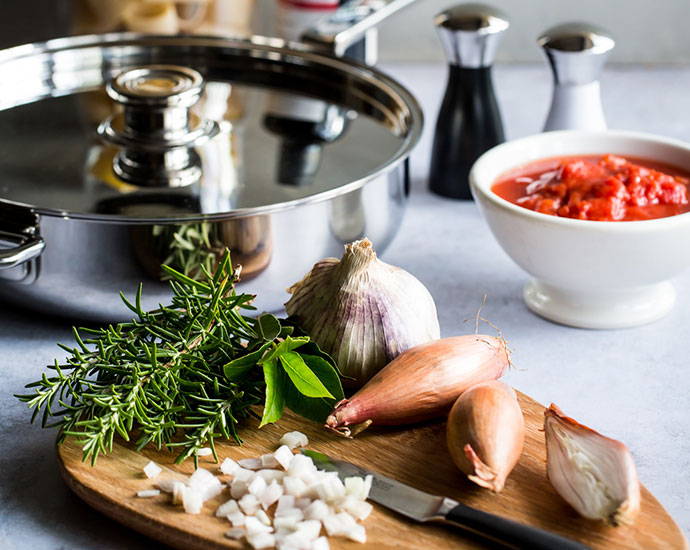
x=654 y=224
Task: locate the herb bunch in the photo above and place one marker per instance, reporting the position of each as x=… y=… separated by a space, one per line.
x=183 y=374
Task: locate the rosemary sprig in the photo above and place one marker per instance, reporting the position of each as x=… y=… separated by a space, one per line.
x=181 y=375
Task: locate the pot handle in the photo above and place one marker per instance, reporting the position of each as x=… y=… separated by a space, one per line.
x=26 y=251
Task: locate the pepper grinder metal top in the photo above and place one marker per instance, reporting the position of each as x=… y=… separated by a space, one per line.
x=576 y=53
x=469 y=121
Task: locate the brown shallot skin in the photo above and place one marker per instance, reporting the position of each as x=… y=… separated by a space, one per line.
x=486 y=433
x=421 y=383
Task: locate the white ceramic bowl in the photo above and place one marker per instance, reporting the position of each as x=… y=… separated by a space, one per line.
x=588 y=274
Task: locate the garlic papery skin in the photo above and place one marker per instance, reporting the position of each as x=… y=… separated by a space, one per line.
x=362 y=311
x=595 y=474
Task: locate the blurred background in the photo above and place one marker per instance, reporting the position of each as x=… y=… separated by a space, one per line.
x=645 y=31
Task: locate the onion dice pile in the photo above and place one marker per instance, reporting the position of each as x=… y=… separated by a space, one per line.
x=278 y=500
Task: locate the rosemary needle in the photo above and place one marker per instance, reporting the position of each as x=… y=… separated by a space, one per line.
x=182 y=375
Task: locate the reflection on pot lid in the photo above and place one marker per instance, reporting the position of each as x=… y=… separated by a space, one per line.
x=270 y=99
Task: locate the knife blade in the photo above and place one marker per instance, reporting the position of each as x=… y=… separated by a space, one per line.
x=423 y=507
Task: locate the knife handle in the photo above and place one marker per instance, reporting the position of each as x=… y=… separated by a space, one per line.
x=509 y=532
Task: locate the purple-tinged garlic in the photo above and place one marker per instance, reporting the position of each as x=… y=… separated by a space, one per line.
x=362 y=311
x=595 y=474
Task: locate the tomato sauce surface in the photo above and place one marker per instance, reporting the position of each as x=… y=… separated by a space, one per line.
x=597 y=187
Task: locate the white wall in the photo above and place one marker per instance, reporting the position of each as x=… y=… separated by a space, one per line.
x=646 y=31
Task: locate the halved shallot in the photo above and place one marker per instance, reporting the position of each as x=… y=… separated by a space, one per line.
x=595 y=474
x=421 y=383
x=486 y=433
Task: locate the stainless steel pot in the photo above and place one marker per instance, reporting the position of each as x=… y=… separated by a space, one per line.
x=83 y=212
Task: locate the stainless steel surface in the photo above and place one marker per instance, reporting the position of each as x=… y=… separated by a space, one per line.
x=392 y=494
x=351 y=22
x=470 y=34
x=576 y=52
x=103 y=235
x=155 y=131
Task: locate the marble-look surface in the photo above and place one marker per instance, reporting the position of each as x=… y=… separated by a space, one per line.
x=633 y=385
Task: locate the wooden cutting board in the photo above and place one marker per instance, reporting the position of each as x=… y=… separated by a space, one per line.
x=415 y=456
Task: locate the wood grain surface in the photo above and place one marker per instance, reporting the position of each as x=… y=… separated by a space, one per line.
x=416 y=456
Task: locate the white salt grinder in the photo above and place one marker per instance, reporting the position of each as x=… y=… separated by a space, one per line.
x=576 y=52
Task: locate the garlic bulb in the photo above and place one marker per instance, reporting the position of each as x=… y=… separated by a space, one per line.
x=593 y=473
x=362 y=311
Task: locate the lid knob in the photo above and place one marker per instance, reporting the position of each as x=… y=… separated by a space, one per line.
x=576 y=53
x=157 y=131
x=470 y=34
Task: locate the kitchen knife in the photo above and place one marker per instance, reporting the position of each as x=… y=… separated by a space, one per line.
x=423 y=507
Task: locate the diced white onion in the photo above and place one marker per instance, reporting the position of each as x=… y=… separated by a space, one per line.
x=148 y=493
x=294 y=486
x=271 y=475
x=357 y=533
x=257 y=487
x=229 y=467
x=238 y=489
x=227 y=508
x=152 y=470
x=263 y=517
x=271 y=495
x=269 y=461
x=283 y=456
x=204 y=451
x=320 y=544
x=250 y=463
x=261 y=541
x=249 y=504
x=294 y=440
x=167 y=485
x=237 y=519
x=192 y=500
x=235 y=534
x=318 y=510
x=254 y=526
x=359 y=509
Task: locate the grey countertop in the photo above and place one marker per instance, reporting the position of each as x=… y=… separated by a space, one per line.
x=633 y=384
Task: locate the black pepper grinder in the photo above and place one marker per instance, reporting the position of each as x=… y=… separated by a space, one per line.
x=469 y=121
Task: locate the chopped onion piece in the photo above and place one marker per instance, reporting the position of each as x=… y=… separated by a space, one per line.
x=254 y=526
x=295 y=513
x=357 y=533
x=359 y=509
x=227 y=508
x=203 y=478
x=301 y=465
x=271 y=495
x=309 y=528
x=204 y=451
x=152 y=469
x=294 y=486
x=235 y=534
x=237 y=519
x=269 y=461
x=257 y=486
x=294 y=440
x=320 y=544
x=302 y=503
x=283 y=456
x=249 y=504
x=148 y=493
x=167 y=485
x=178 y=492
x=271 y=475
x=368 y=480
x=229 y=467
x=261 y=541
x=263 y=517
x=238 y=488
x=285 y=502
x=250 y=463
x=192 y=500
x=286 y=523
x=318 y=510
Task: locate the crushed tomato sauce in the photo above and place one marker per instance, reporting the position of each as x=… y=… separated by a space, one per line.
x=596 y=187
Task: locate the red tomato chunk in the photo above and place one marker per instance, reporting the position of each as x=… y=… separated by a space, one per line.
x=603 y=188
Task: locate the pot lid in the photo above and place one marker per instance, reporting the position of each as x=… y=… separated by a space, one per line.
x=126 y=127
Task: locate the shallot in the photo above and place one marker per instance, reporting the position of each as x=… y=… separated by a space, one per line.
x=486 y=433
x=595 y=474
x=421 y=383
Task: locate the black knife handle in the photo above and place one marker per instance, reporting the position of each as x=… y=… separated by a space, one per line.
x=468 y=123
x=509 y=532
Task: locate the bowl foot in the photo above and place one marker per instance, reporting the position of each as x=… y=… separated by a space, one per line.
x=603 y=310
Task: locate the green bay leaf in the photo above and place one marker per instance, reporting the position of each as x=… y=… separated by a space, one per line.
x=302 y=377
x=275 y=392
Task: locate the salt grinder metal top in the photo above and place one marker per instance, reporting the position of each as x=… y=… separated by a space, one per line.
x=469 y=121
x=576 y=52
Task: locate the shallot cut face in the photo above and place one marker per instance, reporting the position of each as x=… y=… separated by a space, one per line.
x=422 y=383
x=595 y=474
